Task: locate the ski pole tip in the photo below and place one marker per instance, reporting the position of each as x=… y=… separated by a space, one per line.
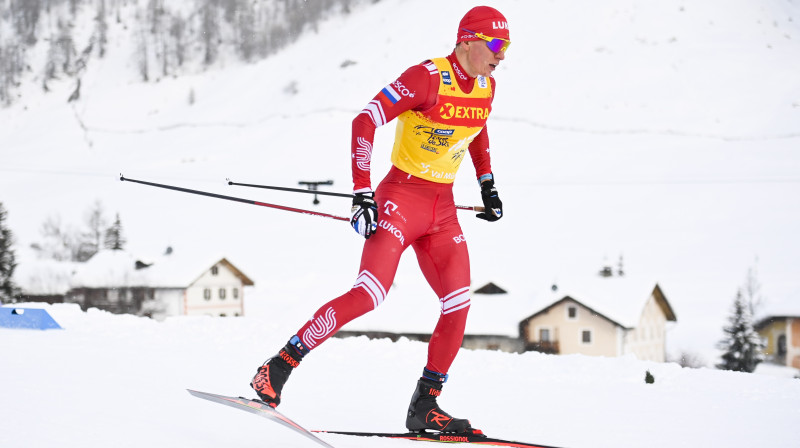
x=121 y=177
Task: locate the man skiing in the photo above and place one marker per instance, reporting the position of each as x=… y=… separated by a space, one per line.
x=441 y=106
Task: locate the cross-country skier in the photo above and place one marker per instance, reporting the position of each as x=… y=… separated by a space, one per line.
x=441 y=106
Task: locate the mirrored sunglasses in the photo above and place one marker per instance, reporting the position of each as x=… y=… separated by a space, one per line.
x=495 y=44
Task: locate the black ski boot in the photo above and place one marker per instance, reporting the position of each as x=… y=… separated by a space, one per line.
x=272 y=375
x=425 y=413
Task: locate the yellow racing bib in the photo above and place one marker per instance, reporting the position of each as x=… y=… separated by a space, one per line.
x=431 y=144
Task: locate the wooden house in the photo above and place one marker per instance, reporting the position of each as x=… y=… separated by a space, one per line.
x=782 y=335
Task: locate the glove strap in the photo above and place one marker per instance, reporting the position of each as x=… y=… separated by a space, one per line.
x=360 y=196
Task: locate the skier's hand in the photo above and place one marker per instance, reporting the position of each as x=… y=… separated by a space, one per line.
x=491 y=201
x=364 y=214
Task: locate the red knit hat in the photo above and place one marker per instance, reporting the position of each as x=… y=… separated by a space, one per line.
x=485 y=20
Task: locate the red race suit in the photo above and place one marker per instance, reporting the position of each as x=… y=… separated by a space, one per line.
x=441 y=114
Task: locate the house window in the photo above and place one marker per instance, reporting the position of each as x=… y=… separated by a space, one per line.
x=235 y=293
x=214 y=270
x=572 y=312
x=222 y=293
x=544 y=335
x=207 y=294
x=781 y=350
x=586 y=336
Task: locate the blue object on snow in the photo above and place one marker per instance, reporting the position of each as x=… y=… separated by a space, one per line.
x=27 y=318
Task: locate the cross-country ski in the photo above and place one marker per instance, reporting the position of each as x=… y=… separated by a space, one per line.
x=261 y=409
x=444 y=437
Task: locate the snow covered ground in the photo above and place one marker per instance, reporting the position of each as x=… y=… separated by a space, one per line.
x=667 y=133
x=120 y=380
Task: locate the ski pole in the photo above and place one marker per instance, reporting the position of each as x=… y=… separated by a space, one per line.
x=293 y=190
x=328 y=193
x=232 y=198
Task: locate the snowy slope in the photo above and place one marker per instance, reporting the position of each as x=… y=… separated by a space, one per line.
x=666 y=133
x=119 y=380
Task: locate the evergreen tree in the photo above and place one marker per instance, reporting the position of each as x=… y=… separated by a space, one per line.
x=8 y=291
x=742 y=346
x=114 y=239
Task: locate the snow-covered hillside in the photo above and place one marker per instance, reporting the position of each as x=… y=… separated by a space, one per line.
x=120 y=380
x=666 y=133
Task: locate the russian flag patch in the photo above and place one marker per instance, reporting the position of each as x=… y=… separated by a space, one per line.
x=391 y=94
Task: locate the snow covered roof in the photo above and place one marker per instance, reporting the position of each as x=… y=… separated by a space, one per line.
x=619 y=299
x=180 y=271
x=119 y=268
x=42 y=277
x=777 y=309
x=109 y=268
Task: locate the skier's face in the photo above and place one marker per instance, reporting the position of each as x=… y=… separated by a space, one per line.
x=480 y=59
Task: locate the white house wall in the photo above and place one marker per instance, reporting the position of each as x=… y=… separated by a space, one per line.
x=196 y=304
x=648 y=340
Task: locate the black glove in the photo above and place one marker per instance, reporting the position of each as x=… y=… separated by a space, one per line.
x=364 y=214
x=491 y=202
